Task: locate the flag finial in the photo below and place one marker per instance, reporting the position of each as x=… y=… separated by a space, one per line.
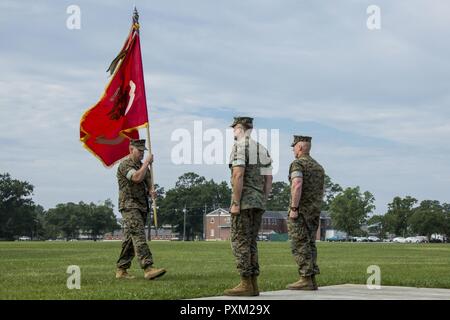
x=135 y=15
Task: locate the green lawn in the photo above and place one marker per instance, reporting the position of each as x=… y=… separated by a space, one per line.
x=37 y=270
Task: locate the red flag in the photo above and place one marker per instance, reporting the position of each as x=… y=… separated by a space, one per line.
x=106 y=128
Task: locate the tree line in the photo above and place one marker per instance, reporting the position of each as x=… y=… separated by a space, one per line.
x=184 y=206
x=350 y=209
x=20 y=216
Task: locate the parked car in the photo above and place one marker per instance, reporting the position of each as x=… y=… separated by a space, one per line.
x=262 y=238
x=335 y=239
x=416 y=239
x=24 y=238
x=373 y=239
x=437 y=238
x=399 y=240
x=422 y=239
x=411 y=240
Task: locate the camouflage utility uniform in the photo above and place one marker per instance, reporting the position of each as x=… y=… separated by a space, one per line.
x=302 y=231
x=133 y=205
x=256 y=160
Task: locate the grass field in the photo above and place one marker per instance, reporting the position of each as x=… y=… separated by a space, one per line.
x=37 y=270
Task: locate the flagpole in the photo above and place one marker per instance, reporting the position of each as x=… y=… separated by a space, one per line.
x=149 y=144
x=155 y=217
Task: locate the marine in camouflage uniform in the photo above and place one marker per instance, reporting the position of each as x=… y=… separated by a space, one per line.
x=133 y=205
x=255 y=161
x=304 y=216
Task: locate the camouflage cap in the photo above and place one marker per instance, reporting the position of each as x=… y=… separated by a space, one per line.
x=245 y=121
x=139 y=144
x=300 y=138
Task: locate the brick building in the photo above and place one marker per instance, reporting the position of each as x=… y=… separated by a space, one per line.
x=274 y=221
x=217 y=224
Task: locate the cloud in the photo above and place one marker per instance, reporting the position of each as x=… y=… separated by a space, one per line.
x=376 y=102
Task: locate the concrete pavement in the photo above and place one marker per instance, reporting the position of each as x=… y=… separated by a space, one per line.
x=349 y=292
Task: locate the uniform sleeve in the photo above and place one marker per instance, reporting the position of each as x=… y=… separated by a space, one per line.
x=237 y=158
x=295 y=170
x=120 y=170
x=126 y=170
x=130 y=173
x=265 y=161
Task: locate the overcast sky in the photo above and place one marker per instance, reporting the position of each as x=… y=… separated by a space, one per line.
x=376 y=102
